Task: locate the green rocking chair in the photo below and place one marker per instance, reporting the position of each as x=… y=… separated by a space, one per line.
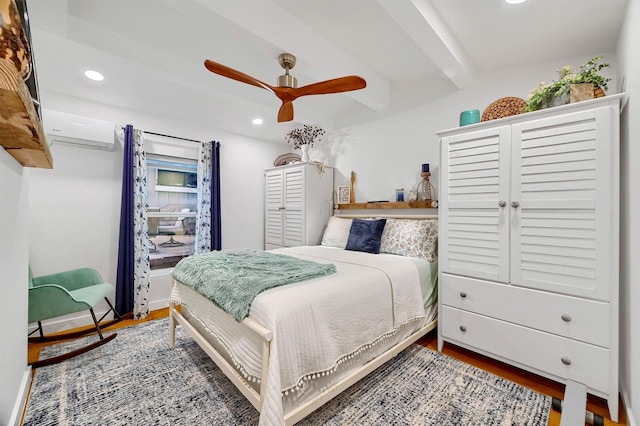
x=64 y=293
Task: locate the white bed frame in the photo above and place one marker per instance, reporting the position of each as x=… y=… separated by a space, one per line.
x=255 y=398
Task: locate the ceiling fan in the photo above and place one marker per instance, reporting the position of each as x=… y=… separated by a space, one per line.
x=287 y=89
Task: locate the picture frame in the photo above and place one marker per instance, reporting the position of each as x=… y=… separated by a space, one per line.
x=344 y=194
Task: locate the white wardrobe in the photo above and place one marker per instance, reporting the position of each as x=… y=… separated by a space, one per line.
x=528 y=243
x=298 y=202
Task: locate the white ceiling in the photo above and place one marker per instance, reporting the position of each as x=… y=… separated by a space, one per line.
x=409 y=51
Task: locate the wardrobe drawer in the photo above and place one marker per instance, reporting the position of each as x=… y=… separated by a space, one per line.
x=531 y=349
x=579 y=319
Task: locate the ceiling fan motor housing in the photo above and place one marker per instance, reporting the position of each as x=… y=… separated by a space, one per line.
x=287 y=80
x=287 y=61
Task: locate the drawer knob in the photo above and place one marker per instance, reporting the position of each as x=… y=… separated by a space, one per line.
x=566 y=317
x=463 y=294
x=566 y=360
x=463 y=328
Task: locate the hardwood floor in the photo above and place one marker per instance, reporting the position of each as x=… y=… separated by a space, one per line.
x=531 y=381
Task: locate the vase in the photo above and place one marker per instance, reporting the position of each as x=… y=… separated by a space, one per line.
x=305 y=153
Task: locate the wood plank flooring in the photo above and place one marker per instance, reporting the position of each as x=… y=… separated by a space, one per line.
x=531 y=381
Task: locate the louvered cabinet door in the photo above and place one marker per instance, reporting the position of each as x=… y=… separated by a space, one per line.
x=564 y=183
x=294 y=203
x=274 y=201
x=474 y=221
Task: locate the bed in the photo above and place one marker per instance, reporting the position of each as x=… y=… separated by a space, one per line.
x=304 y=343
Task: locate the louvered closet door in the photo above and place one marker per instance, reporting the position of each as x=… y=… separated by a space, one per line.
x=564 y=172
x=274 y=200
x=294 y=226
x=474 y=240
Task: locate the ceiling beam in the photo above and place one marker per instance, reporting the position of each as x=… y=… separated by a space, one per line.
x=422 y=23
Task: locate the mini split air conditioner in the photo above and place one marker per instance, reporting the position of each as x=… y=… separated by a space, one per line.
x=78 y=130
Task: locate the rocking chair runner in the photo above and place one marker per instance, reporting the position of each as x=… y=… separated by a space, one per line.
x=64 y=293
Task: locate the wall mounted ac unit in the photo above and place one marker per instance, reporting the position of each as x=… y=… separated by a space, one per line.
x=78 y=130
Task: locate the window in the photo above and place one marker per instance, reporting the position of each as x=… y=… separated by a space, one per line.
x=172 y=208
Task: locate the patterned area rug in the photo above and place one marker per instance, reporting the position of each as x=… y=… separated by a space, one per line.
x=154 y=384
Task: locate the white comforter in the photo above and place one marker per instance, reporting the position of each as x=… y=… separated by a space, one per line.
x=319 y=324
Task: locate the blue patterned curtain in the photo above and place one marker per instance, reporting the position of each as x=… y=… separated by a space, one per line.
x=209 y=229
x=132 y=282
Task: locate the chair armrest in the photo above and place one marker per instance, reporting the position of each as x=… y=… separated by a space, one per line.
x=70 y=280
x=51 y=300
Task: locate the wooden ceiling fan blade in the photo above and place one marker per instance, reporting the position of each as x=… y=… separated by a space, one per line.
x=286 y=111
x=288 y=94
x=225 y=71
x=336 y=85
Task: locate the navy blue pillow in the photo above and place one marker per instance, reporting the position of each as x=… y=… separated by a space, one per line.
x=365 y=235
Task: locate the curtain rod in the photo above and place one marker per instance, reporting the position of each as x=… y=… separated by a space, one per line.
x=173 y=137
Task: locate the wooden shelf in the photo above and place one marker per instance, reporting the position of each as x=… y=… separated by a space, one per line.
x=21 y=132
x=422 y=204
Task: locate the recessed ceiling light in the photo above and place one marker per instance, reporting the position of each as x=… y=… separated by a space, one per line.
x=93 y=75
x=257 y=121
x=515 y=1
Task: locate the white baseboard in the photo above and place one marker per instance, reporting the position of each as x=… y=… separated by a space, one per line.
x=21 y=399
x=158 y=304
x=81 y=319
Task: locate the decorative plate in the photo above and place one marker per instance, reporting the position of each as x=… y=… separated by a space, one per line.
x=287 y=158
x=504 y=107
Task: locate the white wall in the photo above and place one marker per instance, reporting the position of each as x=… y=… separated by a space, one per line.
x=75 y=208
x=15 y=375
x=629 y=72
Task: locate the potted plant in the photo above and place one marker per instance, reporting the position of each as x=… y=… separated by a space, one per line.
x=556 y=93
x=304 y=138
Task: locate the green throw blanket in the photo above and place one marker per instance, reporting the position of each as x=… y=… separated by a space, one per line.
x=233 y=278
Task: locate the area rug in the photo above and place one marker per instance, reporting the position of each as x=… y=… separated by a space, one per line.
x=137 y=379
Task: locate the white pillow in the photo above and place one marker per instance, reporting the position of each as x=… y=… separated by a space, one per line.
x=337 y=232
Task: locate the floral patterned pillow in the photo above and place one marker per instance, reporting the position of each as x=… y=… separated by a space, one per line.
x=411 y=237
